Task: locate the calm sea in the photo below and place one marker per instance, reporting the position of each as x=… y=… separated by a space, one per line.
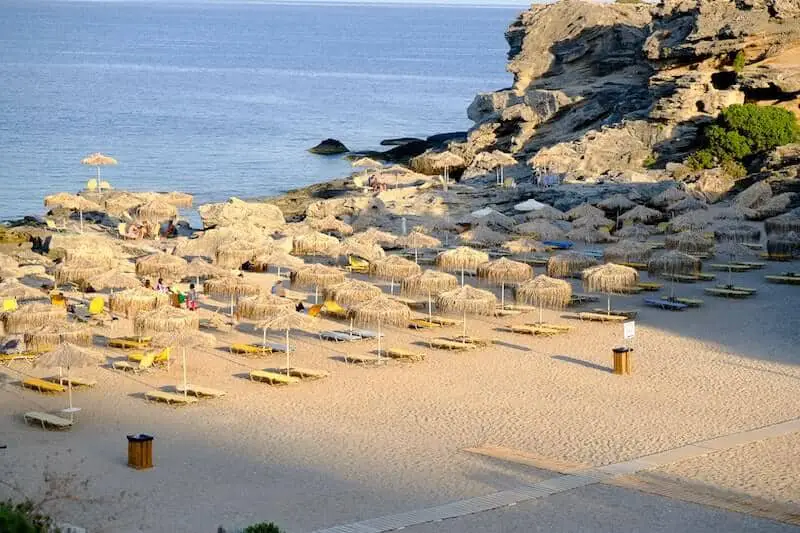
x=223 y=100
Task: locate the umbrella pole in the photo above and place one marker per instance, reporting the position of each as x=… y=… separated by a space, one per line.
x=608 y=307
x=379 y=339
x=287 y=351
x=464 y=336
x=231 y=305
x=430 y=307
x=541 y=320
x=462 y=276
x=502 y=295
x=416 y=256
x=316 y=294
x=183 y=353
x=264 y=340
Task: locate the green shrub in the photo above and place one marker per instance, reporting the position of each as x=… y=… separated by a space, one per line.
x=726 y=144
x=650 y=161
x=23 y=518
x=263 y=527
x=763 y=127
x=739 y=61
x=701 y=159
x=734 y=169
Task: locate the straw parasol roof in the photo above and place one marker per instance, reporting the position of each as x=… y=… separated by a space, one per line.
x=642 y=214
x=483 y=236
x=51 y=335
x=467 y=299
x=609 y=278
x=669 y=196
x=567 y=263
x=186 y=338
x=178 y=199
x=782 y=224
x=162 y=265
x=634 y=231
x=543 y=230
x=754 y=195
x=352 y=292
x=122 y=202
x=673 y=262
x=316 y=275
x=198 y=267
x=235 y=254
x=77 y=271
x=784 y=244
x=330 y=223
x=262 y=306
x=690 y=242
x=504 y=271
x=461 y=258
x=113 y=279
x=165 y=318
x=544 y=291
x=365 y=250
x=442 y=160
x=737 y=232
x=589 y=234
x=366 y=162
x=428 y=282
x=315 y=243
x=628 y=252
x=97 y=159
x=417 y=239
x=277 y=259
x=393 y=267
x=131 y=301
x=592 y=221
x=693 y=220
x=373 y=235
x=73 y=202
x=229 y=286
x=33 y=315
x=381 y=310
x=11 y=288
x=734 y=249
x=524 y=245
x=156 y=210
x=584 y=210
x=546 y=212
x=617 y=202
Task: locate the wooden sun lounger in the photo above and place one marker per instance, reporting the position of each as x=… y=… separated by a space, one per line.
x=410 y=301
x=602 y=317
x=681 y=278
x=129 y=343
x=632 y=290
x=577 y=299
x=170 y=398
x=522 y=308
x=42 y=385
x=665 y=304
x=726 y=293
x=250 y=349
x=447 y=344
x=704 y=276
x=475 y=341
x=200 y=392
x=47 y=420
x=650 y=286
x=406 y=355
x=506 y=312
x=627 y=313
x=637 y=266
x=338 y=336
x=306 y=374
x=531 y=330
x=786 y=280
x=732 y=267
x=442 y=321
x=690 y=302
x=273 y=378
x=76 y=382
x=737 y=288
x=752 y=265
x=420 y=323
x=365 y=359
x=7 y=358
x=561 y=328
x=364 y=333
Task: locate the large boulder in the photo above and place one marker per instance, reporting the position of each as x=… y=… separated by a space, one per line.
x=329 y=147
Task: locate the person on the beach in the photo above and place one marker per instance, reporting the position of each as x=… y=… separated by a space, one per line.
x=147 y=284
x=191 y=298
x=161 y=286
x=170 y=230
x=278 y=289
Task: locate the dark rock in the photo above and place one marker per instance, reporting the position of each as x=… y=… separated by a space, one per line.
x=329 y=147
x=399 y=141
x=440 y=139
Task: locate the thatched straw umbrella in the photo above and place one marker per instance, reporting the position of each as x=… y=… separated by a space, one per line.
x=132 y=301
x=524 y=245
x=545 y=212
x=483 y=237
x=446 y=161
x=178 y=199
x=393 y=267
x=669 y=196
x=365 y=250
x=236 y=253
x=428 y=283
x=628 y=252
x=461 y=259
x=693 y=220
x=77 y=271
x=113 y=279
x=782 y=224
x=231 y=287
x=568 y=263
x=590 y=235
x=670 y=263
x=737 y=233
x=542 y=230
x=185 y=338
x=609 y=279
x=330 y=224
x=262 y=306
x=51 y=335
x=616 y=204
x=689 y=242
x=97 y=160
x=592 y=221
x=121 y=202
x=72 y=202
x=381 y=310
x=165 y=318
x=634 y=231
x=156 y=210
x=416 y=240
x=366 y=163
x=352 y=292
x=315 y=243
x=33 y=315
x=198 y=268
x=467 y=299
x=373 y=236
x=285 y=320
x=278 y=259
x=317 y=276
x=642 y=214
x=732 y=250
x=162 y=265
x=69 y=356
x=14 y=289
x=544 y=291
x=584 y=210
x=502 y=271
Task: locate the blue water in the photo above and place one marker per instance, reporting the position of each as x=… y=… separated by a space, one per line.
x=223 y=100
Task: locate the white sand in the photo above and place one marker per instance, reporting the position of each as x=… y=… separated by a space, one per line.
x=369 y=442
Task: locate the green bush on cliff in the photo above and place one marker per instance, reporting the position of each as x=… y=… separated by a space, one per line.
x=263 y=527
x=739 y=61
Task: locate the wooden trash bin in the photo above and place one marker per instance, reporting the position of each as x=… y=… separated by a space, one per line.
x=140 y=451
x=623 y=360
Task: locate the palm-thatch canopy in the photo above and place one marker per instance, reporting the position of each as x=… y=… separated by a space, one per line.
x=467 y=299
x=11 y=288
x=373 y=236
x=73 y=202
x=609 y=278
x=642 y=214
x=77 y=271
x=206 y=245
x=689 y=242
x=504 y=271
x=493 y=159
x=589 y=235
x=278 y=259
x=165 y=318
x=352 y=292
x=544 y=291
x=330 y=224
x=754 y=195
x=546 y=212
x=262 y=306
x=68 y=355
x=524 y=245
x=737 y=232
x=121 y=202
x=592 y=221
x=634 y=231
x=417 y=239
x=673 y=262
x=628 y=252
x=483 y=237
x=162 y=265
x=229 y=286
x=568 y=263
x=113 y=279
x=428 y=283
x=235 y=254
x=584 y=210
x=131 y=301
x=543 y=230
x=692 y=220
x=617 y=202
x=33 y=315
x=444 y=160
x=381 y=310
x=669 y=196
x=156 y=210
x=51 y=335
x=316 y=275
x=285 y=320
x=316 y=243
x=97 y=159
x=461 y=258
x=370 y=251
x=733 y=250
x=197 y=267
x=784 y=245
x=782 y=224
x=393 y=267
x=366 y=162
x=687 y=204
x=185 y=338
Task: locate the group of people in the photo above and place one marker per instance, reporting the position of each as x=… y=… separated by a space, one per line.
x=189 y=298
x=145 y=229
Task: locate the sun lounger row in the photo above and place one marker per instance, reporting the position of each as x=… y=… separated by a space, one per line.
x=784 y=279
x=665 y=304
x=351 y=335
x=602 y=317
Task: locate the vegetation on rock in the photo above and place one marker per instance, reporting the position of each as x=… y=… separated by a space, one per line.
x=739 y=61
x=23 y=518
x=263 y=527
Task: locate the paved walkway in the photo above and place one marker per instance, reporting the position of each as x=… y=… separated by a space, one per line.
x=575 y=479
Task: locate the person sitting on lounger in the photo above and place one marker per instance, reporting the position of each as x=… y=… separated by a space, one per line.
x=278 y=289
x=161 y=286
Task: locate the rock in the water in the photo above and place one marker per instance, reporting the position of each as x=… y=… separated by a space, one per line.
x=329 y=147
x=400 y=141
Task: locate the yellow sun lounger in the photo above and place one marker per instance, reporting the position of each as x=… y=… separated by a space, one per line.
x=650 y=286
x=306 y=374
x=160 y=357
x=506 y=312
x=786 y=280
x=250 y=349
x=602 y=317
x=47 y=420
x=560 y=328
x=727 y=293
x=406 y=355
x=732 y=267
x=170 y=398
x=145 y=363
x=76 y=382
x=691 y=302
x=357 y=264
x=752 y=265
x=365 y=359
x=421 y=323
x=531 y=330
x=200 y=392
x=332 y=309
x=410 y=301
x=442 y=321
x=7 y=358
x=42 y=385
x=448 y=344
x=273 y=378
x=129 y=343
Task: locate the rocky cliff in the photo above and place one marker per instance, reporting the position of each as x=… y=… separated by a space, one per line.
x=605 y=88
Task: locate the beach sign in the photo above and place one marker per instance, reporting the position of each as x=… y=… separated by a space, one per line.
x=629 y=329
